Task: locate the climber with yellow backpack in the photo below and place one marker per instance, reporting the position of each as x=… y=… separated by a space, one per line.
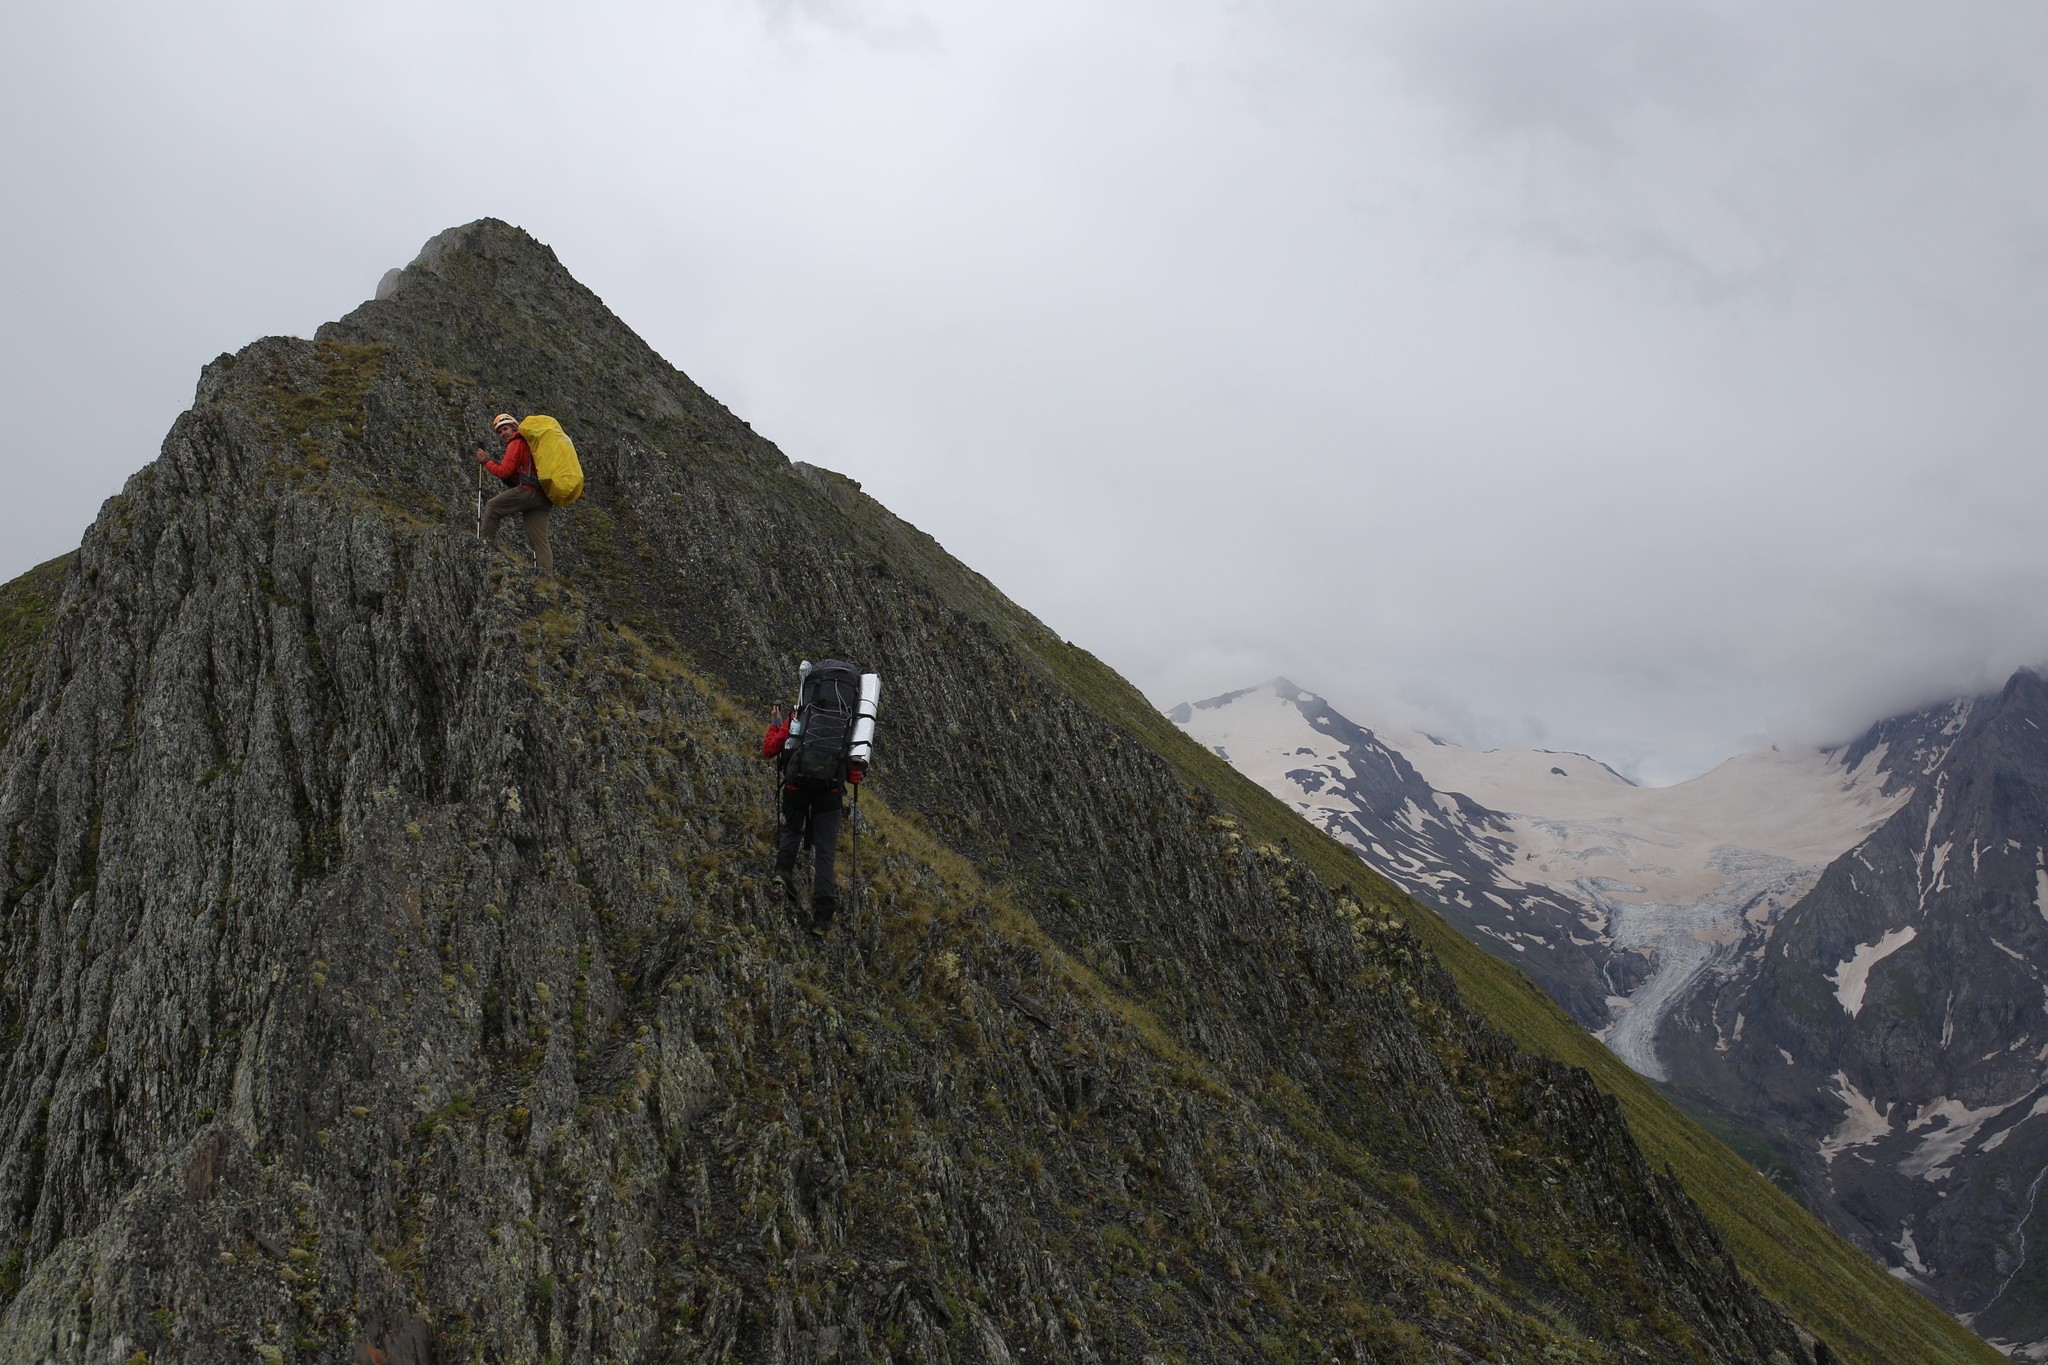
x=540 y=473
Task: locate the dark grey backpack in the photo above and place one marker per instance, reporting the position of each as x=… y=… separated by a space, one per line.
x=821 y=736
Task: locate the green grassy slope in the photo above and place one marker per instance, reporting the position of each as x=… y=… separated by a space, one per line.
x=1825 y=1283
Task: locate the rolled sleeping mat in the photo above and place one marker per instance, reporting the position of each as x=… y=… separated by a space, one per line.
x=864 y=725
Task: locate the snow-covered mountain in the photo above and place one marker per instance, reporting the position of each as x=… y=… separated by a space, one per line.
x=1616 y=898
x=1455 y=853
x=1842 y=952
x=1895 y=1035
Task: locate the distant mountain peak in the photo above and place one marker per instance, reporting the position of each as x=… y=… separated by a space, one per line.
x=1890 y=1045
x=1494 y=837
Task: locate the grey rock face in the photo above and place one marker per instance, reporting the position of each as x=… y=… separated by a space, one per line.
x=387 y=970
x=1891 y=1041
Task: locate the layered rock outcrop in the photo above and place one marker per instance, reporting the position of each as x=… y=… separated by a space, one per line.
x=388 y=970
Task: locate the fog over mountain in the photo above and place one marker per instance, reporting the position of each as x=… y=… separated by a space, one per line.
x=1661 y=373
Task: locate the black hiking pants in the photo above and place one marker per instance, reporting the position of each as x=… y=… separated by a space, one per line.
x=811 y=813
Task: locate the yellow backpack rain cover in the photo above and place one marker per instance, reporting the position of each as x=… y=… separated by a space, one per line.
x=554 y=460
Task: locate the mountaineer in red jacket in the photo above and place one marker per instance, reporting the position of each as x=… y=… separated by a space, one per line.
x=811 y=812
x=522 y=491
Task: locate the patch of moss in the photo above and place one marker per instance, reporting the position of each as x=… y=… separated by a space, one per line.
x=28 y=605
x=597 y=537
x=336 y=400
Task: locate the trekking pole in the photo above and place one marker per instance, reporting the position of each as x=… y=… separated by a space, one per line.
x=853 y=820
x=479 y=499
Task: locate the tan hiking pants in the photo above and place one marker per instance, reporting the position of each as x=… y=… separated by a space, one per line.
x=533 y=507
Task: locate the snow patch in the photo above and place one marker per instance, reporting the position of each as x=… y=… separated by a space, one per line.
x=1722 y=1044
x=1862 y=1121
x=1935 y=873
x=1852 y=978
x=1945 y=1144
x=1927 y=844
x=1997 y=1139
x=1909 y=1251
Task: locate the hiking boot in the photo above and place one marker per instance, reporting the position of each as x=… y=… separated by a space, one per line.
x=822 y=911
x=787 y=882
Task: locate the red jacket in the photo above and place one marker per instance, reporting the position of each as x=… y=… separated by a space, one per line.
x=516 y=467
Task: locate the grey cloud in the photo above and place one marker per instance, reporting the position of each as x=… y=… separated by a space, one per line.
x=1591 y=72
x=1723 y=143
x=1635 y=377
x=879 y=25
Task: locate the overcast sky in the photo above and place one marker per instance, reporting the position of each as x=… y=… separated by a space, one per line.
x=1615 y=375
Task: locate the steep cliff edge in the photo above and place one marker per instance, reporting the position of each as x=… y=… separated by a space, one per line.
x=387 y=970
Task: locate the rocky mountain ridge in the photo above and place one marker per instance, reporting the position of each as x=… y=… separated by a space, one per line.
x=387 y=971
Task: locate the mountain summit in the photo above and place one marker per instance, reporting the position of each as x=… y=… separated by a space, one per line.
x=388 y=969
